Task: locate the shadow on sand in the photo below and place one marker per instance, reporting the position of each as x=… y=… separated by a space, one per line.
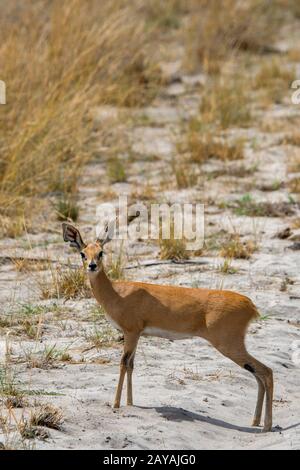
x=172 y=413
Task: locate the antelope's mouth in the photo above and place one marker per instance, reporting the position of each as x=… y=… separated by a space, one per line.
x=93 y=269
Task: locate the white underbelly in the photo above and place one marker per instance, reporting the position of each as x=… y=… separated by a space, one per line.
x=112 y=322
x=152 y=331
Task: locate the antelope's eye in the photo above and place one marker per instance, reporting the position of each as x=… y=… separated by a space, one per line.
x=100 y=255
x=83 y=256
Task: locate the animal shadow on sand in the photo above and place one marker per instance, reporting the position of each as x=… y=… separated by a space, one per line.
x=172 y=413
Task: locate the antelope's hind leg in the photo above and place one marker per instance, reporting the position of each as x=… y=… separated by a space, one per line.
x=263 y=375
x=259 y=402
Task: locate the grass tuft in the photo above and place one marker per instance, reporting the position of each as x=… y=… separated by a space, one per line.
x=202 y=146
x=67 y=209
x=47 y=415
x=215 y=33
x=185 y=176
x=66 y=283
x=172 y=248
x=234 y=247
x=226 y=103
x=116 y=171
x=227 y=268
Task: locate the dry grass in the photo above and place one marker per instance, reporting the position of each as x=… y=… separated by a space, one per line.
x=215 y=33
x=185 y=175
x=247 y=206
x=27 y=320
x=26 y=265
x=234 y=247
x=45 y=358
x=146 y=193
x=239 y=171
x=294 y=159
x=172 y=248
x=115 y=264
x=102 y=338
x=293 y=6
x=192 y=374
x=11 y=427
x=296 y=223
x=9 y=386
x=66 y=283
x=227 y=268
x=294 y=55
x=81 y=54
x=47 y=415
x=272 y=186
x=293 y=139
x=17 y=401
x=28 y=431
x=202 y=146
x=78 y=54
x=67 y=208
x=166 y=14
x=226 y=102
x=275 y=80
x=116 y=171
x=294 y=185
x=11 y=227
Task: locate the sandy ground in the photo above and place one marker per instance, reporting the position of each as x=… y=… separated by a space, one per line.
x=187 y=396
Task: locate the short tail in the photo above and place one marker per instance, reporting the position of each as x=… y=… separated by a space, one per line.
x=255 y=313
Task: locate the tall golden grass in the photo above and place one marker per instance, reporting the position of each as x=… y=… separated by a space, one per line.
x=58 y=59
x=226 y=27
x=61 y=58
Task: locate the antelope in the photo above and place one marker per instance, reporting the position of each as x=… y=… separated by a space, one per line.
x=142 y=309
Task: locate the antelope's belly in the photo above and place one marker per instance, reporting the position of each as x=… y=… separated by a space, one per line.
x=112 y=322
x=174 y=335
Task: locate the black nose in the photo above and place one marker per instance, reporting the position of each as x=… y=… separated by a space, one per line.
x=92 y=266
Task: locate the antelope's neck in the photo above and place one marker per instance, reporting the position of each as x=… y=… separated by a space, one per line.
x=104 y=292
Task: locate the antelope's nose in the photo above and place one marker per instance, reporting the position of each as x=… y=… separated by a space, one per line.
x=92 y=266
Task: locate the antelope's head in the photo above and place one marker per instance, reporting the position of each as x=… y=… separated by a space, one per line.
x=92 y=253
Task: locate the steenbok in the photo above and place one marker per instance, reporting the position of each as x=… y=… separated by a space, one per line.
x=136 y=308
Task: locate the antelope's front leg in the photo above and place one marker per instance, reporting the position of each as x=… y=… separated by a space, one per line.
x=130 y=365
x=121 y=381
x=126 y=365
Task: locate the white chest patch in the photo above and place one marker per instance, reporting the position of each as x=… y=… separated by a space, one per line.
x=151 y=331
x=112 y=322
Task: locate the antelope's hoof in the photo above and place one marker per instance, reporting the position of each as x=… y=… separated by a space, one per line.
x=255 y=422
x=116 y=405
x=267 y=428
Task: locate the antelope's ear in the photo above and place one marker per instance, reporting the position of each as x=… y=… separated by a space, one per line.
x=72 y=235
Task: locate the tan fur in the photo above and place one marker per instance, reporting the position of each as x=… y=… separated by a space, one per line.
x=220 y=317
